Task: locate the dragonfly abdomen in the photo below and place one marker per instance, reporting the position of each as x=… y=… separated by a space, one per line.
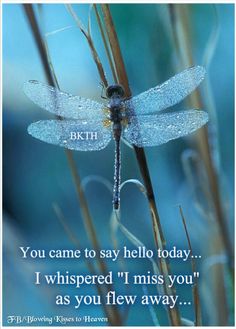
x=117 y=175
x=115 y=94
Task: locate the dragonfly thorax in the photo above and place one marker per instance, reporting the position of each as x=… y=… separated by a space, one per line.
x=116 y=114
x=115 y=93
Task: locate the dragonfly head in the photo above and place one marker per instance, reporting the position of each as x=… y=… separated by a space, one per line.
x=115 y=90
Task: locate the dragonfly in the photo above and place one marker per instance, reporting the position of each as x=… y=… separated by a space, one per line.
x=87 y=125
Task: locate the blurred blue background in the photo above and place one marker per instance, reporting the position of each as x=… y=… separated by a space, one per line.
x=36 y=174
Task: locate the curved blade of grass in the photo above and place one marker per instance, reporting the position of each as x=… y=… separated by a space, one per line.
x=113 y=221
x=197 y=179
x=214 y=270
x=155 y=320
x=136 y=182
x=98 y=179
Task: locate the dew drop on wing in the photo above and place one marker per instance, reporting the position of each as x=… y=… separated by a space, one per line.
x=62 y=103
x=167 y=94
x=157 y=129
x=58 y=132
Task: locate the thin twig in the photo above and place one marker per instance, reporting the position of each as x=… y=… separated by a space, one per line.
x=108 y=52
x=91 y=45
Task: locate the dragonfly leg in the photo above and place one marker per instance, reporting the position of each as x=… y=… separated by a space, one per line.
x=102 y=91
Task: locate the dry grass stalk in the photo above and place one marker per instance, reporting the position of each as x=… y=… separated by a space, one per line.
x=108 y=51
x=140 y=154
x=114 y=316
x=182 y=37
x=87 y=35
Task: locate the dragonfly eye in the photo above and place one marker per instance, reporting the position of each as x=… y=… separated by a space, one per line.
x=115 y=90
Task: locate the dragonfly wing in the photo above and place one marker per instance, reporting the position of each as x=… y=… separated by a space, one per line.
x=74 y=135
x=167 y=94
x=153 y=130
x=61 y=103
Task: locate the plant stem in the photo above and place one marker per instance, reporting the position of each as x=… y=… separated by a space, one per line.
x=114 y=74
x=181 y=31
x=140 y=155
x=91 y=45
x=181 y=34
x=115 y=49
x=38 y=41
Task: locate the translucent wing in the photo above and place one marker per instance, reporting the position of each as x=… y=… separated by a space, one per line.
x=61 y=103
x=152 y=130
x=74 y=135
x=167 y=94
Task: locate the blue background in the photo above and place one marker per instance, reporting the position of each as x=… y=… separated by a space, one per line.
x=36 y=175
